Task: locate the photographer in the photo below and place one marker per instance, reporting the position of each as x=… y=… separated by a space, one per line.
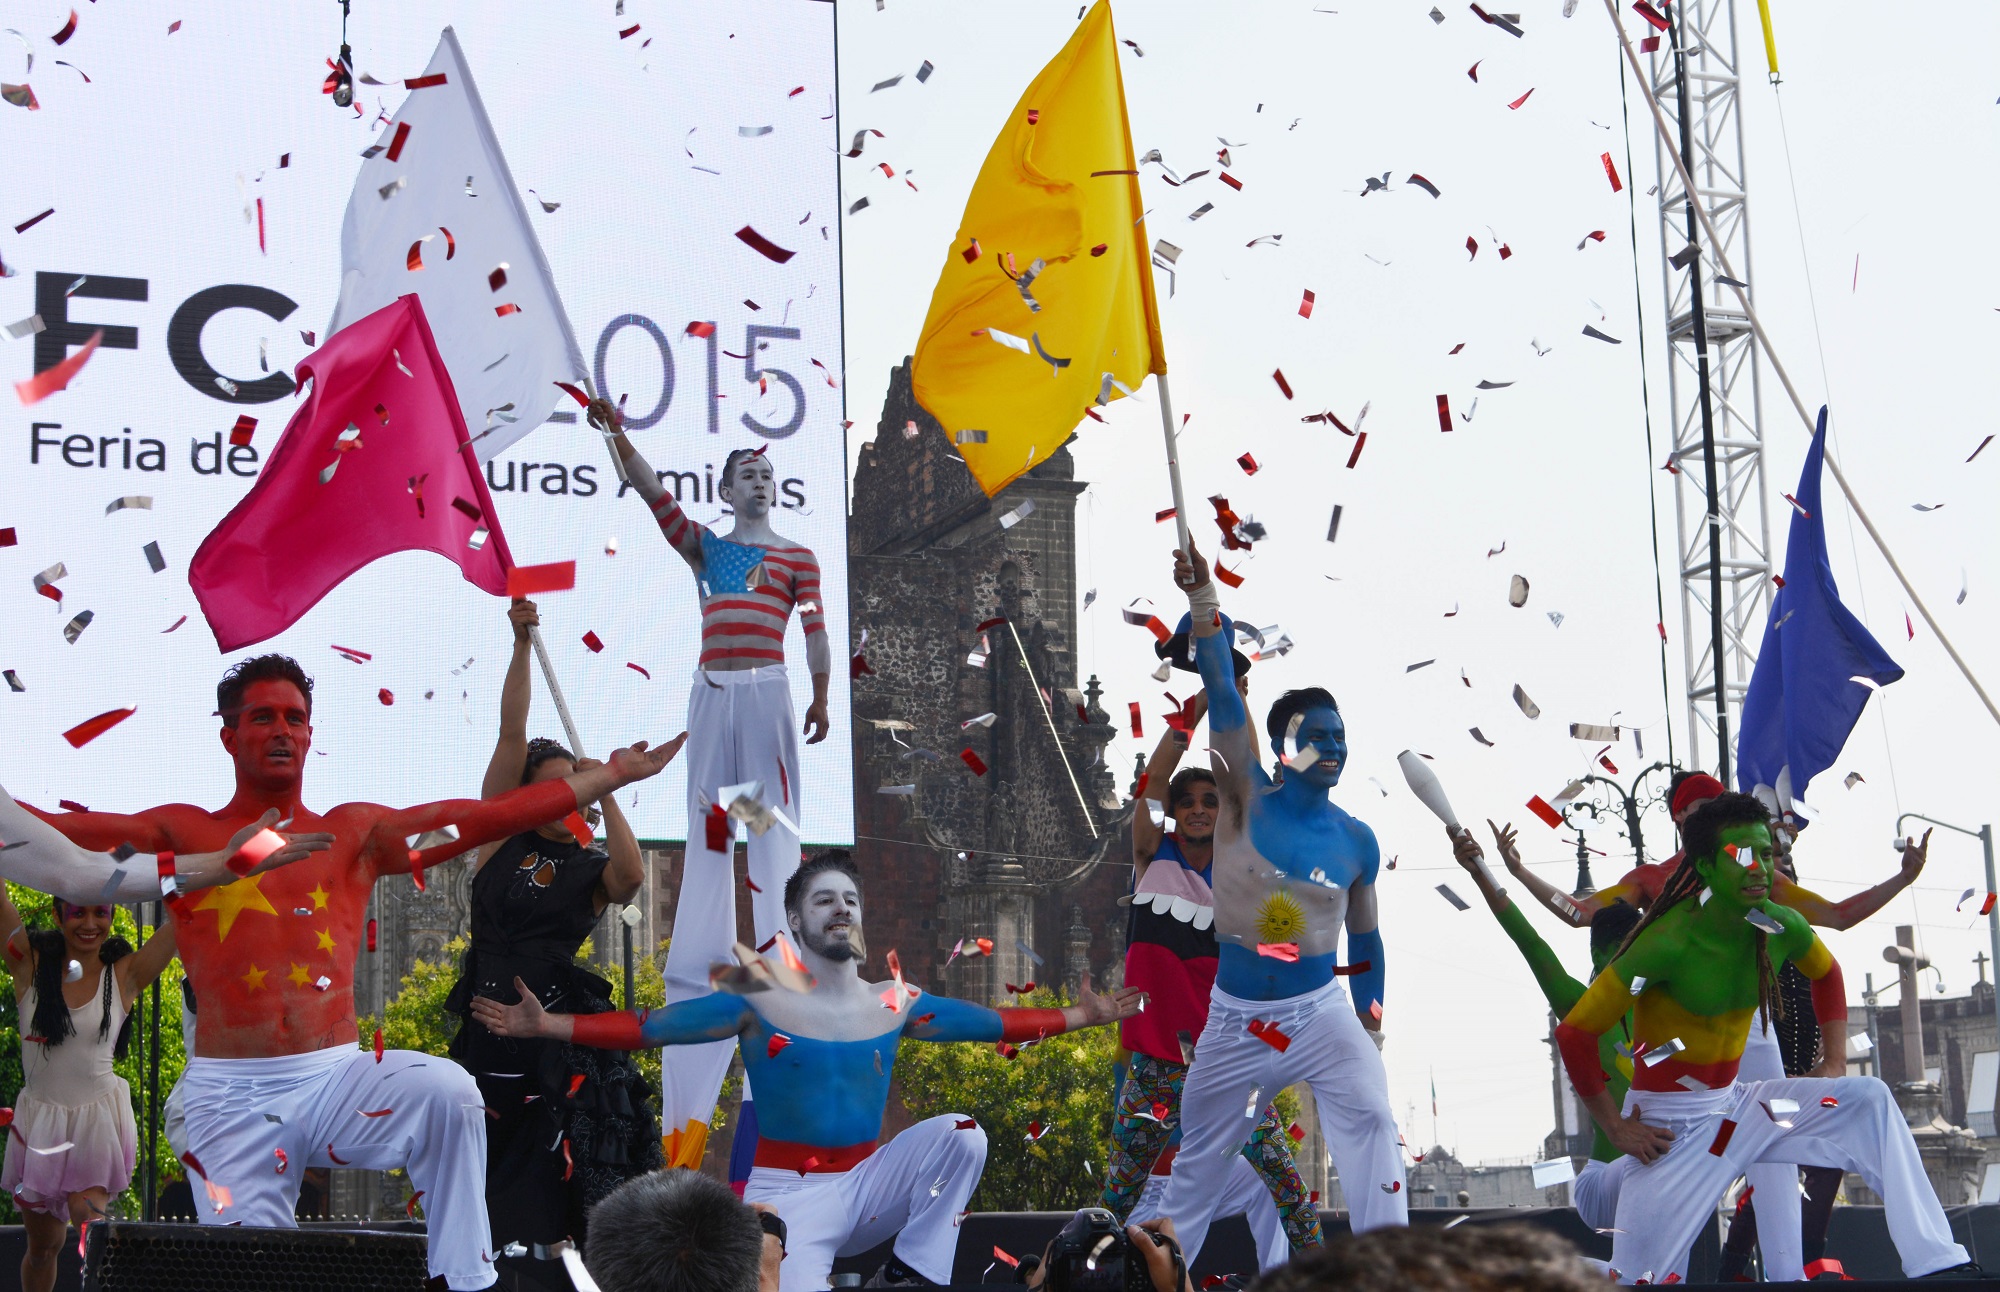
x=1093 y=1253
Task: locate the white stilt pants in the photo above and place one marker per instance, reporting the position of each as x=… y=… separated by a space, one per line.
x=1244 y=1194
x=1330 y=1051
x=740 y=728
x=255 y=1125
x=1775 y=1185
x=1718 y=1134
x=917 y=1184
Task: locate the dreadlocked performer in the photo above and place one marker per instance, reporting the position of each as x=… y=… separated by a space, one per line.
x=740 y=729
x=1700 y=968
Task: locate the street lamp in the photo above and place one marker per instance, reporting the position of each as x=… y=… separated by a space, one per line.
x=1985 y=836
x=1605 y=797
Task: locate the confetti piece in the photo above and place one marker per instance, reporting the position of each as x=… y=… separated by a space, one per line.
x=48 y=382
x=1285 y=951
x=1333 y=525
x=26 y=327
x=972 y=760
x=1595 y=335
x=763 y=245
x=1723 y=1134
x=1360 y=439
x=386 y=696
x=74 y=628
x=13 y=682
x=1611 y=173
x=1982 y=446
x=1423 y=184
x=21 y=96
x=1517 y=592
x=1278 y=375
x=640 y=671
x=1518 y=102
x=528 y=580
x=1477 y=735
x=85 y=732
x=1444 y=891
x=1270 y=1034
x=32 y=221
x=1529 y=708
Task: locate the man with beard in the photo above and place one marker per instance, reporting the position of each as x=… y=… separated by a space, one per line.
x=1291 y=870
x=821 y=1055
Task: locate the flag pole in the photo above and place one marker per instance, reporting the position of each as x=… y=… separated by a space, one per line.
x=555 y=691
x=1173 y=457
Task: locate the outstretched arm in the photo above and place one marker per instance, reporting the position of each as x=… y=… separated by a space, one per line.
x=1561 y=991
x=480 y=821
x=943 y=1018
x=44 y=860
x=714 y=1017
x=1228 y=719
x=103 y=831
x=1848 y=912
x=682 y=533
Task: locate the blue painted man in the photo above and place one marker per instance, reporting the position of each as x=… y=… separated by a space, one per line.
x=1290 y=870
x=821 y=1060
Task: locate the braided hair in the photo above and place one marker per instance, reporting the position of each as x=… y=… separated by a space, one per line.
x=1702 y=835
x=51 y=1021
x=540 y=750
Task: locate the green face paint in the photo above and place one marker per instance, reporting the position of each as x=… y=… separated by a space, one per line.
x=1740 y=873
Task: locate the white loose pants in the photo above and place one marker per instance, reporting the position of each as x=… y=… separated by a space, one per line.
x=917 y=1184
x=740 y=728
x=1244 y=1194
x=1330 y=1051
x=1718 y=1134
x=1594 y=1192
x=1774 y=1185
x=242 y=1114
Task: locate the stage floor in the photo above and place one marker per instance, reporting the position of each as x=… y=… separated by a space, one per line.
x=1858 y=1238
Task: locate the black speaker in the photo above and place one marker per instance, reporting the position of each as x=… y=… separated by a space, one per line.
x=126 y=1256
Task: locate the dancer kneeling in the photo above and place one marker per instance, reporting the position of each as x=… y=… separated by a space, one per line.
x=1700 y=967
x=821 y=1060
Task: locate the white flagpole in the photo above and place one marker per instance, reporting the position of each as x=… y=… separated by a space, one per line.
x=1173 y=457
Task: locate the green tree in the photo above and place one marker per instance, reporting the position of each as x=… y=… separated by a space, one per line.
x=37 y=910
x=1064 y=1083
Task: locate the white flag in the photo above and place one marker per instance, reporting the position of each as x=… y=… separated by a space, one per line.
x=410 y=207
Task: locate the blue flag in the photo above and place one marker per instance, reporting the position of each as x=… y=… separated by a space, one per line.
x=1806 y=693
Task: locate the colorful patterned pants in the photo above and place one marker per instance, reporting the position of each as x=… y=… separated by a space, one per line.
x=1149 y=1116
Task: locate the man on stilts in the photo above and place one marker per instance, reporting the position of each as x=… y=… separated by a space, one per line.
x=740 y=729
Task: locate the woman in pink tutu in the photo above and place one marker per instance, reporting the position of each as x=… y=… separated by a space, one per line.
x=71 y=1146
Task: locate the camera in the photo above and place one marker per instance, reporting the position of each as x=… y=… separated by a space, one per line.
x=1093 y=1254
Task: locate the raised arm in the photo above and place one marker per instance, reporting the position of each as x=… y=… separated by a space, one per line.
x=625 y=874
x=1848 y=912
x=1228 y=719
x=479 y=821
x=714 y=1017
x=943 y=1018
x=1574 y=911
x=1558 y=987
x=510 y=751
x=137 y=971
x=682 y=533
x=1159 y=772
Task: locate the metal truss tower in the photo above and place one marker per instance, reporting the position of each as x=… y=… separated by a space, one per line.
x=1723 y=551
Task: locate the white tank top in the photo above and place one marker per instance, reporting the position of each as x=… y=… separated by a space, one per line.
x=79 y=1070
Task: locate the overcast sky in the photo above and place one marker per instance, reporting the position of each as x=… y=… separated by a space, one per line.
x=1879 y=273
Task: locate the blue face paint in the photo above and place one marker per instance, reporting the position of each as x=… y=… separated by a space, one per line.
x=1323 y=729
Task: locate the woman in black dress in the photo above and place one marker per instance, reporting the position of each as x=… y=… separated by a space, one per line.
x=567 y=1125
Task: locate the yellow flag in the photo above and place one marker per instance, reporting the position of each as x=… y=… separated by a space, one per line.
x=1045 y=306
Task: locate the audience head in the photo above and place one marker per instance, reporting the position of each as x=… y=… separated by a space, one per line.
x=1431 y=1258
x=674 y=1231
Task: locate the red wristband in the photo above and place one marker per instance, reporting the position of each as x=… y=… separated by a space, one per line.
x=620 y=1030
x=1022 y=1025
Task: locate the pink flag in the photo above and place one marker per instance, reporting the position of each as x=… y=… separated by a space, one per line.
x=373 y=462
